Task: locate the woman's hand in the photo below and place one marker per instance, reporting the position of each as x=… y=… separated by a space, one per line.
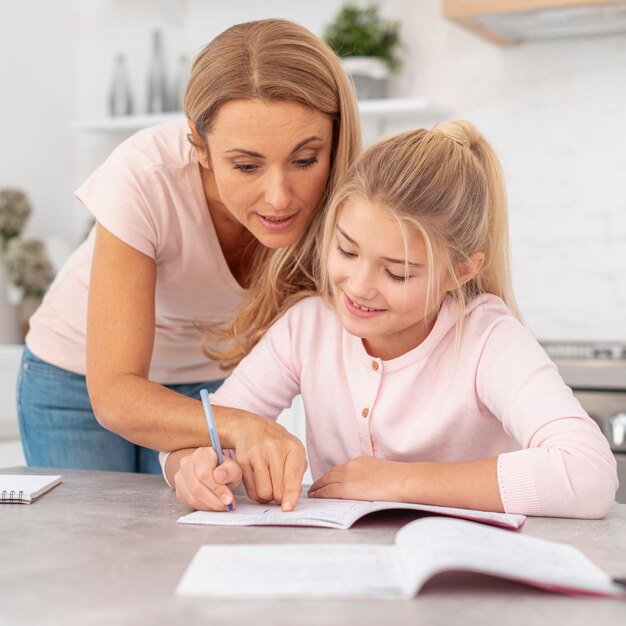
x=272 y=460
x=202 y=485
x=362 y=478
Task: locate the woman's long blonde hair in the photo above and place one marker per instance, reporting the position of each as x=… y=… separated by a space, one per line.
x=273 y=60
x=445 y=183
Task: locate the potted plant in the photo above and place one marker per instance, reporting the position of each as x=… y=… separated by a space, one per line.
x=368 y=45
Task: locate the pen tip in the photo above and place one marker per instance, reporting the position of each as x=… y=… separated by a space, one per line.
x=230 y=507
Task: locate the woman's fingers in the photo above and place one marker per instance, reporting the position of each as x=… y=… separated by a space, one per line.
x=295 y=466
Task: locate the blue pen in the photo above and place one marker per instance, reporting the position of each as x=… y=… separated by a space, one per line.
x=210 y=420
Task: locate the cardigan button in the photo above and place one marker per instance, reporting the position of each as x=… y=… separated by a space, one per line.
x=365 y=412
x=375 y=365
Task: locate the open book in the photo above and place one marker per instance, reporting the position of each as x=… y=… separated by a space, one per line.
x=25 y=488
x=328 y=513
x=422 y=549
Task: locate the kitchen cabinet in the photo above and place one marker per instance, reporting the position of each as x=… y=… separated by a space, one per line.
x=508 y=22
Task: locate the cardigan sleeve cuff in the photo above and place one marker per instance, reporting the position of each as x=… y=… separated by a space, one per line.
x=517 y=484
x=163 y=460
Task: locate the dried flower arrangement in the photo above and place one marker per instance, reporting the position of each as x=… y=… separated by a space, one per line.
x=28 y=266
x=26 y=261
x=15 y=210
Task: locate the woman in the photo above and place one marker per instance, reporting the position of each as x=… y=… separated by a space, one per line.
x=215 y=218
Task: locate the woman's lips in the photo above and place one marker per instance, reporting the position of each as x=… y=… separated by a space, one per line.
x=276 y=224
x=359 y=310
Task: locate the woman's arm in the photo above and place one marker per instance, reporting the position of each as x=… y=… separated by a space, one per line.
x=120 y=337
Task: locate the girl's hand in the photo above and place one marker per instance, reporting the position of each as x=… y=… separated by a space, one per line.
x=362 y=478
x=202 y=485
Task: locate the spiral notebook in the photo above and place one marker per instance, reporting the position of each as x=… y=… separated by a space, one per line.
x=24 y=489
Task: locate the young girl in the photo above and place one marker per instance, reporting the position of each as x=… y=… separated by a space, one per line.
x=420 y=384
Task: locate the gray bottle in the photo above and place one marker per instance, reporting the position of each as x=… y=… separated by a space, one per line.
x=120 y=95
x=157 y=83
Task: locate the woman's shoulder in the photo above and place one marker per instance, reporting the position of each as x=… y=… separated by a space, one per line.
x=161 y=146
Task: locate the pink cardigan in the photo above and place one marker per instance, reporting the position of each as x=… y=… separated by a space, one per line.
x=499 y=395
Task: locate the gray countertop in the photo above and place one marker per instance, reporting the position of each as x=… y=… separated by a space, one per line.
x=104 y=548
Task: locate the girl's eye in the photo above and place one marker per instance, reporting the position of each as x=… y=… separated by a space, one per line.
x=396 y=277
x=246 y=168
x=304 y=163
x=343 y=252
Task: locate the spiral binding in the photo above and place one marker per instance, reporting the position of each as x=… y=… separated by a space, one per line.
x=11 y=497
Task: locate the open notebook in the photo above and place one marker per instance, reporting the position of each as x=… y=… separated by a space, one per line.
x=24 y=489
x=328 y=513
x=422 y=549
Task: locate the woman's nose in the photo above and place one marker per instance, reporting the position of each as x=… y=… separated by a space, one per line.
x=278 y=191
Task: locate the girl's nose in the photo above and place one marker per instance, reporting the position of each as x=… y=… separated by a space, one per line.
x=278 y=191
x=361 y=282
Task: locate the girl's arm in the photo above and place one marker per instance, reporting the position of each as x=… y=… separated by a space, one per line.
x=467 y=485
x=564 y=469
x=120 y=336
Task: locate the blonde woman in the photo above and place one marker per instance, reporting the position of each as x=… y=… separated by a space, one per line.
x=210 y=219
x=420 y=383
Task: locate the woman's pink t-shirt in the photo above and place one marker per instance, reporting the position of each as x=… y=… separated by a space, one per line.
x=149 y=194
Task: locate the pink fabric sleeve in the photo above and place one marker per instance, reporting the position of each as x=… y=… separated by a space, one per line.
x=163 y=460
x=268 y=379
x=124 y=196
x=566 y=467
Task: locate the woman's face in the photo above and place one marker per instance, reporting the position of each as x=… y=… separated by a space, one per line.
x=268 y=165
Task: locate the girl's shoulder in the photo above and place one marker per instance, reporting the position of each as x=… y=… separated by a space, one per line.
x=312 y=313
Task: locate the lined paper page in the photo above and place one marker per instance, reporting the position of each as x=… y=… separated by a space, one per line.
x=433 y=545
x=331 y=513
x=322 y=570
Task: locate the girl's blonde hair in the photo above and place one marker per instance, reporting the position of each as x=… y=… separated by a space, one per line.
x=273 y=60
x=447 y=184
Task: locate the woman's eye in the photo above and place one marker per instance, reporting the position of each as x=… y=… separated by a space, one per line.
x=343 y=252
x=247 y=168
x=396 y=277
x=304 y=163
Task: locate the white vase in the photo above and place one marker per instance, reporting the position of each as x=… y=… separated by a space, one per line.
x=10 y=331
x=370 y=76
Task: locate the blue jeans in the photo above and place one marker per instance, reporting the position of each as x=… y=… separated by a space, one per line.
x=59 y=429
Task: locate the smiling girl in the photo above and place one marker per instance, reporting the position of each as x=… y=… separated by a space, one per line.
x=419 y=381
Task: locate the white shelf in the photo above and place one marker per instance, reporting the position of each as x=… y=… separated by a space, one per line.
x=382 y=110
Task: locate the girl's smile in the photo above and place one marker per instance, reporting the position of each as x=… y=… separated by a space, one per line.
x=380 y=282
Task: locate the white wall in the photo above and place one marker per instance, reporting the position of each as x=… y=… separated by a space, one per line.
x=555 y=113
x=553 y=110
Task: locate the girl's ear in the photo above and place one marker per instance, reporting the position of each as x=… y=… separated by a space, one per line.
x=199 y=144
x=468 y=269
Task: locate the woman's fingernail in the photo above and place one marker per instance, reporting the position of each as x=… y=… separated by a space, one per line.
x=226 y=498
x=287 y=505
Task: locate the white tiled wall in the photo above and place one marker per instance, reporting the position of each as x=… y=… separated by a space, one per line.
x=554 y=111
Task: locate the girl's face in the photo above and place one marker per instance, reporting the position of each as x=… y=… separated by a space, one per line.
x=378 y=297
x=267 y=167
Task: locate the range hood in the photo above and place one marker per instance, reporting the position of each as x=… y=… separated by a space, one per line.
x=508 y=22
